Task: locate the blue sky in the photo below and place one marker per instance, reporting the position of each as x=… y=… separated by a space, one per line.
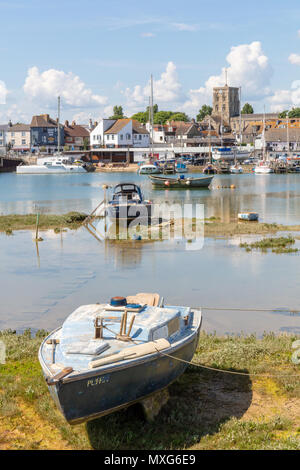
x=112 y=47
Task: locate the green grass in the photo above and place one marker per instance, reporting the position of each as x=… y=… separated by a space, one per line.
x=206 y=409
x=278 y=245
x=71 y=220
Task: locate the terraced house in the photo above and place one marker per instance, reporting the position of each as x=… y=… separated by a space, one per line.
x=44 y=135
x=18 y=137
x=76 y=137
x=3 y=130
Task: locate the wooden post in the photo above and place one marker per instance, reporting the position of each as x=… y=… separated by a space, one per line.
x=37 y=226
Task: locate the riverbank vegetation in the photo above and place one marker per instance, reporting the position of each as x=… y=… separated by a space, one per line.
x=277 y=245
x=9 y=223
x=206 y=409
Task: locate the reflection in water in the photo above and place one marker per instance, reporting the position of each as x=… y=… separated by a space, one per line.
x=81 y=271
x=274 y=197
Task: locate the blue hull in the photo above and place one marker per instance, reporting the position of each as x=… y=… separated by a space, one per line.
x=97 y=394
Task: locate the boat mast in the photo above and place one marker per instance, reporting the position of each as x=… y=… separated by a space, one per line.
x=58 y=126
x=287 y=133
x=151 y=114
x=240 y=117
x=263 y=136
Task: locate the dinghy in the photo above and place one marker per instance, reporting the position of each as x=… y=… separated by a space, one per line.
x=108 y=356
x=181 y=181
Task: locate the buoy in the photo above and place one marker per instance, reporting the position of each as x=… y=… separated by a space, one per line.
x=232 y=186
x=188 y=182
x=167 y=183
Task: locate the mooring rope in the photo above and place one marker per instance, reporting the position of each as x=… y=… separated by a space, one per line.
x=247 y=309
x=222 y=370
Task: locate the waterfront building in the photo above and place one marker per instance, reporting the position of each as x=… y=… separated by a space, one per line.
x=76 y=137
x=18 y=137
x=3 y=131
x=44 y=136
x=119 y=133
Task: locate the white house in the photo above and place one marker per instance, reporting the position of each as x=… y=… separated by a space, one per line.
x=118 y=133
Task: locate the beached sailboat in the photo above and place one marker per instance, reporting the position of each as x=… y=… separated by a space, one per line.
x=108 y=356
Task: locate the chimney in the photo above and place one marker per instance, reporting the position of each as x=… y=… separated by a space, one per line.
x=9 y=123
x=66 y=123
x=90 y=124
x=46 y=117
x=73 y=123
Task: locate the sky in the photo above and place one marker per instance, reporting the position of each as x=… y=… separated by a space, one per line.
x=96 y=54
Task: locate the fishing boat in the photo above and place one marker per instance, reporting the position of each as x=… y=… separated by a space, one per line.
x=229 y=153
x=149 y=169
x=181 y=181
x=128 y=203
x=108 y=356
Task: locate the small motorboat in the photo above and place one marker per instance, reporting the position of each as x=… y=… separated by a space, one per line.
x=181 y=168
x=108 y=356
x=128 y=203
x=209 y=169
x=181 y=181
x=236 y=169
x=149 y=169
x=250 y=216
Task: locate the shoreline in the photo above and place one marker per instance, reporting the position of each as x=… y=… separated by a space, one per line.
x=213 y=226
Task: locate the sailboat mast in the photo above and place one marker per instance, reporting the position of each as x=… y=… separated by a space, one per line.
x=240 y=116
x=58 y=126
x=263 y=134
x=151 y=114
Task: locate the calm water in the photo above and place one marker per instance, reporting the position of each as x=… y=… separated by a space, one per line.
x=275 y=197
x=39 y=289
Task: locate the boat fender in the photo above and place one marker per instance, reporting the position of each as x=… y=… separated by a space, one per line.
x=188 y=182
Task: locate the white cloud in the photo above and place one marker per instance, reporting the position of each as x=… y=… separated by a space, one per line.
x=167 y=89
x=248 y=67
x=294 y=59
x=284 y=99
x=3 y=92
x=46 y=86
x=148 y=35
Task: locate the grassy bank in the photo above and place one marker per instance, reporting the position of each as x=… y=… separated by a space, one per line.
x=206 y=410
x=9 y=223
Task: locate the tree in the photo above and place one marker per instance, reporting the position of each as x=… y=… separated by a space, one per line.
x=204 y=111
x=283 y=114
x=141 y=117
x=247 y=109
x=155 y=109
x=118 y=113
x=294 y=113
x=179 y=116
x=161 y=117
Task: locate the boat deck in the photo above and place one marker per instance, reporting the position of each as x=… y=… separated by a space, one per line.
x=77 y=347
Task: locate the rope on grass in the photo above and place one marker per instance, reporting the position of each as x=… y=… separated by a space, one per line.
x=224 y=371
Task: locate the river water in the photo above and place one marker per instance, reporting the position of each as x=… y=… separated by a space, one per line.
x=41 y=285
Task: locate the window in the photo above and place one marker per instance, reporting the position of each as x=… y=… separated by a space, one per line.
x=23 y=134
x=13 y=141
x=121 y=136
x=23 y=141
x=140 y=137
x=12 y=134
x=112 y=137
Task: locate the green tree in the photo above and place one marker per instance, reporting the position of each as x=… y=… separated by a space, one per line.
x=247 y=109
x=161 y=117
x=141 y=117
x=118 y=113
x=155 y=109
x=294 y=113
x=204 y=111
x=283 y=114
x=86 y=143
x=179 y=117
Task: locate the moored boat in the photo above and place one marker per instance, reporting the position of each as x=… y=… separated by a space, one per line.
x=108 y=356
x=181 y=181
x=59 y=164
x=128 y=203
x=250 y=216
x=236 y=169
x=149 y=169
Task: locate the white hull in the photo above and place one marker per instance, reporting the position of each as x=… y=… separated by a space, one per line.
x=149 y=170
x=263 y=170
x=230 y=155
x=236 y=170
x=49 y=170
